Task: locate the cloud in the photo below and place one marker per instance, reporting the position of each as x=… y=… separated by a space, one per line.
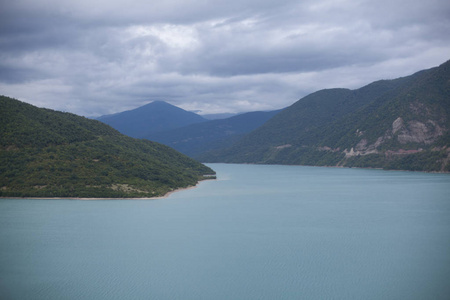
x=99 y=57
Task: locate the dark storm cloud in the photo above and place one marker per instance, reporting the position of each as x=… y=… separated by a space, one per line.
x=98 y=57
x=16 y=74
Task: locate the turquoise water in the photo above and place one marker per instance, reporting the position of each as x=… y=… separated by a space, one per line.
x=258 y=232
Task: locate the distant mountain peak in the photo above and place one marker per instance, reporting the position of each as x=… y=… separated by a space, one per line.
x=160 y=102
x=152 y=117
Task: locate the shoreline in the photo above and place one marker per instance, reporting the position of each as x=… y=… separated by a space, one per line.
x=334 y=166
x=167 y=195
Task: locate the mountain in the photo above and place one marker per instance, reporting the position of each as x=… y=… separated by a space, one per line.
x=153 y=117
x=196 y=139
x=219 y=116
x=46 y=153
x=393 y=124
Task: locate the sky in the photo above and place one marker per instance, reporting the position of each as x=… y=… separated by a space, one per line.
x=96 y=57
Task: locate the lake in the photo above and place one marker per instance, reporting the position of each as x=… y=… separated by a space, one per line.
x=257 y=232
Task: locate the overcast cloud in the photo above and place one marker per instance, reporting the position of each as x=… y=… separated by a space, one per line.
x=99 y=57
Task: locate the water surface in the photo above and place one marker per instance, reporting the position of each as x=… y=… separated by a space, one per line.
x=258 y=232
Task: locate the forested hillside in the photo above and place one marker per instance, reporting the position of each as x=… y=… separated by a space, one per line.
x=393 y=124
x=45 y=153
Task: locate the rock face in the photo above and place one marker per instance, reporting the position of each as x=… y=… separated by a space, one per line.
x=412 y=132
x=362 y=148
x=397 y=125
x=417 y=132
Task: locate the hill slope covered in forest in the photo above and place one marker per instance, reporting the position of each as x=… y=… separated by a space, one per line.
x=46 y=153
x=393 y=124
